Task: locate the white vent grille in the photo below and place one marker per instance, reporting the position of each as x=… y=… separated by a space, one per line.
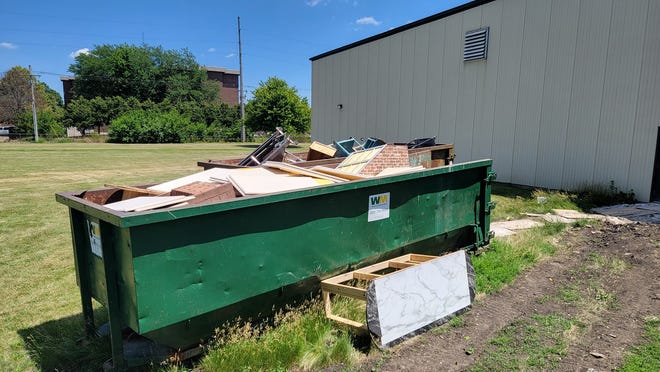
x=476 y=45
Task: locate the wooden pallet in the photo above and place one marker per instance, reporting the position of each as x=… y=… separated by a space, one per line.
x=337 y=285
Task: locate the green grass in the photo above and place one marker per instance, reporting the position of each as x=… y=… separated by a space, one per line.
x=511 y=201
x=506 y=258
x=41 y=324
x=302 y=338
x=536 y=342
x=40 y=306
x=645 y=356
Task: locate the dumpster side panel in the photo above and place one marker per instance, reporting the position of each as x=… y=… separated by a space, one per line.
x=188 y=267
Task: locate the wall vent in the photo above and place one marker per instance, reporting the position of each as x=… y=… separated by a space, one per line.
x=476 y=45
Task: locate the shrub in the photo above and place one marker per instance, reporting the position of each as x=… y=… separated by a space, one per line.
x=153 y=126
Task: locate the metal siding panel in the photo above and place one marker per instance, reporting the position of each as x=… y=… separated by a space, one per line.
x=383 y=91
x=361 y=101
x=624 y=62
x=393 y=91
x=343 y=73
x=351 y=102
x=406 y=88
x=315 y=98
x=556 y=92
x=482 y=139
x=647 y=120
x=372 y=90
x=435 y=82
x=420 y=77
x=508 y=73
x=452 y=60
x=530 y=91
x=324 y=105
x=587 y=92
x=467 y=90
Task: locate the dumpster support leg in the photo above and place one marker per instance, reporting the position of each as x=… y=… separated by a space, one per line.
x=110 y=265
x=78 y=224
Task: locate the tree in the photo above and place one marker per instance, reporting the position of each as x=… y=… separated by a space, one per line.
x=16 y=103
x=15 y=96
x=85 y=114
x=142 y=72
x=275 y=104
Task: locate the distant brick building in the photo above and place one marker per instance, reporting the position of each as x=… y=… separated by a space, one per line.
x=227 y=80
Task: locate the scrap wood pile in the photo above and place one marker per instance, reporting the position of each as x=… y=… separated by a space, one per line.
x=268 y=170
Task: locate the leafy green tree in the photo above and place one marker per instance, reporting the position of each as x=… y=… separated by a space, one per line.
x=16 y=104
x=85 y=114
x=275 y=104
x=143 y=72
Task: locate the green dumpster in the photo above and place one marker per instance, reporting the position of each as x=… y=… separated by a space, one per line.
x=173 y=275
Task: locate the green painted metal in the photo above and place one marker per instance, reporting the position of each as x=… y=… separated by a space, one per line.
x=173 y=274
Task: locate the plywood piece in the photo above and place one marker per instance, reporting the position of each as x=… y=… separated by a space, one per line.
x=205 y=192
x=144 y=203
x=290 y=168
x=339 y=173
x=400 y=170
x=251 y=183
x=318 y=150
x=205 y=176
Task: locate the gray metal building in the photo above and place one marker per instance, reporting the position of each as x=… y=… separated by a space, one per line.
x=567 y=96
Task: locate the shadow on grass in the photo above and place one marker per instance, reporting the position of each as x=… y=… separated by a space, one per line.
x=61 y=344
x=511 y=191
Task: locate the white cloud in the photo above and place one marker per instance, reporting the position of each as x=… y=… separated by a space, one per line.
x=314 y=3
x=230 y=55
x=210 y=50
x=7 y=45
x=368 y=21
x=79 y=52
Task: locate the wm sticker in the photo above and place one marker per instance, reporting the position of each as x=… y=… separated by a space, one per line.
x=379 y=207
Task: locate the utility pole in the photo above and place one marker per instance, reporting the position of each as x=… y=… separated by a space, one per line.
x=241 y=96
x=34 y=107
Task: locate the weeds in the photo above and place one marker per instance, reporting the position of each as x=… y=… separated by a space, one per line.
x=505 y=259
x=590 y=196
x=536 y=342
x=646 y=356
x=301 y=338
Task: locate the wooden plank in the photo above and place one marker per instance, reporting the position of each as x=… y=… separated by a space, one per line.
x=365 y=276
x=134 y=189
x=345 y=290
x=401 y=265
x=346 y=321
x=290 y=168
x=421 y=257
x=339 y=173
x=339 y=278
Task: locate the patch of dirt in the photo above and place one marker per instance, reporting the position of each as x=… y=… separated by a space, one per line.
x=604 y=279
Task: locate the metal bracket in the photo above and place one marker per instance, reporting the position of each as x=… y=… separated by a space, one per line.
x=489 y=207
x=490 y=177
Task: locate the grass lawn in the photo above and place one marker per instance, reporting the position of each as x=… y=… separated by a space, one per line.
x=40 y=306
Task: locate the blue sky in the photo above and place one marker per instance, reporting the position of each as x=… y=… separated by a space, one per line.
x=278 y=37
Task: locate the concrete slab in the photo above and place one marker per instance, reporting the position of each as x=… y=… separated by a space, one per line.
x=500 y=231
x=522 y=224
